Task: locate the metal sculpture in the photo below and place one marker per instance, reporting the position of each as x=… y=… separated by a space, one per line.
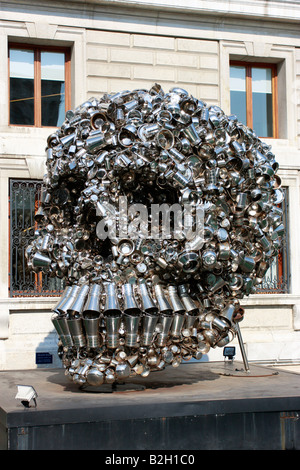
x=136 y=301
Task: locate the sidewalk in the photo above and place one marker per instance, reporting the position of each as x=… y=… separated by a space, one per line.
x=295 y=368
x=158 y=412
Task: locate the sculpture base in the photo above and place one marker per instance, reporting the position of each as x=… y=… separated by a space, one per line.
x=197 y=406
x=111 y=388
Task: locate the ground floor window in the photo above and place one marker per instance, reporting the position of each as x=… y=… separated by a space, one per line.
x=277 y=278
x=24 y=198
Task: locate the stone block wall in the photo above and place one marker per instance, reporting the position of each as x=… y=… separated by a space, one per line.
x=122 y=61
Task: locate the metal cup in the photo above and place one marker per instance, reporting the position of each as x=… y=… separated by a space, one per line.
x=164 y=306
x=209 y=259
x=177 y=305
x=76 y=329
x=177 y=156
x=188 y=261
x=131 y=329
x=40 y=261
x=262 y=269
x=149 y=323
x=224 y=251
x=190 y=306
x=165 y=139
x=68 y=299
x=62 y=300
x=111 y=303
x=165 y=322
x=148 y=304
x=91 y=327
x=256 y=194
x=247 y=264
x=98 y=119
x=228 y=312
x=77 y=306
x=220 y=323
x=61 y=324
x=224 y=340
x=191 y=134
x=126 y=136
x=279 y=230
x=112 y=324
x=177 y=324
x=92 y=305
x=39 y=215
x=217 y=285
x=189 y=320
x=130 y=305
x=242 y=200
x=58 y=327
x=180 y=180
x=95 y=141
x=211 y=336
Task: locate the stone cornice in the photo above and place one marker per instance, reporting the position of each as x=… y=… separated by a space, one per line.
x=279 y=10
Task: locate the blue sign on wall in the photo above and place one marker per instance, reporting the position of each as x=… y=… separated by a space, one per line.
x=43 y=358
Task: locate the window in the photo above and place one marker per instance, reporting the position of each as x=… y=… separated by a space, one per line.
x=39 y=85
x=253 y=96
x=276 y=279
x=24 y=197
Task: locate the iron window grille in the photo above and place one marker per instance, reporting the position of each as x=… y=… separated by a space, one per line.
x=277 y=278
x=24 y=199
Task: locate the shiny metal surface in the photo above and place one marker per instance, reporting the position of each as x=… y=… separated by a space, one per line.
x=136 y=301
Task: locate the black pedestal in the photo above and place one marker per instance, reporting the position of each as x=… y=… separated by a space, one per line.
x=214 y=405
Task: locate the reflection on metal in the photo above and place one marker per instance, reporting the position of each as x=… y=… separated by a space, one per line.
x=158 y=300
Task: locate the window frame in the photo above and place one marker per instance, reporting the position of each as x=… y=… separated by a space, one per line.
x=37 y=49
x=249 y=109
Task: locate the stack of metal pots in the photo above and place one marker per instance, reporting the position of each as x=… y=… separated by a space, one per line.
x=137 y=304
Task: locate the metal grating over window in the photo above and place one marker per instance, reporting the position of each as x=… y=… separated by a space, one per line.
x=277 y=278
x=24 y=197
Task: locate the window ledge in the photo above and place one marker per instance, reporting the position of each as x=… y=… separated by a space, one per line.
x=279 y=142
x=27 y=130
x=22 y=141
x=29 y=303
x=38 y=303
x=270 y=299
x=286 y=153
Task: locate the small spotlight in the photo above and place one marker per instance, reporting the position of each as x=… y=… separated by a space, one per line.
x=229 y=352
x=26 y=393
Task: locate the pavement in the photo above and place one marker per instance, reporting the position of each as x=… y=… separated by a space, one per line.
x=210 y=381
x=295 y=368
x=156 y=412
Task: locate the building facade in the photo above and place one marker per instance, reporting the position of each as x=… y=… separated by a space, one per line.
x=56 y=56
